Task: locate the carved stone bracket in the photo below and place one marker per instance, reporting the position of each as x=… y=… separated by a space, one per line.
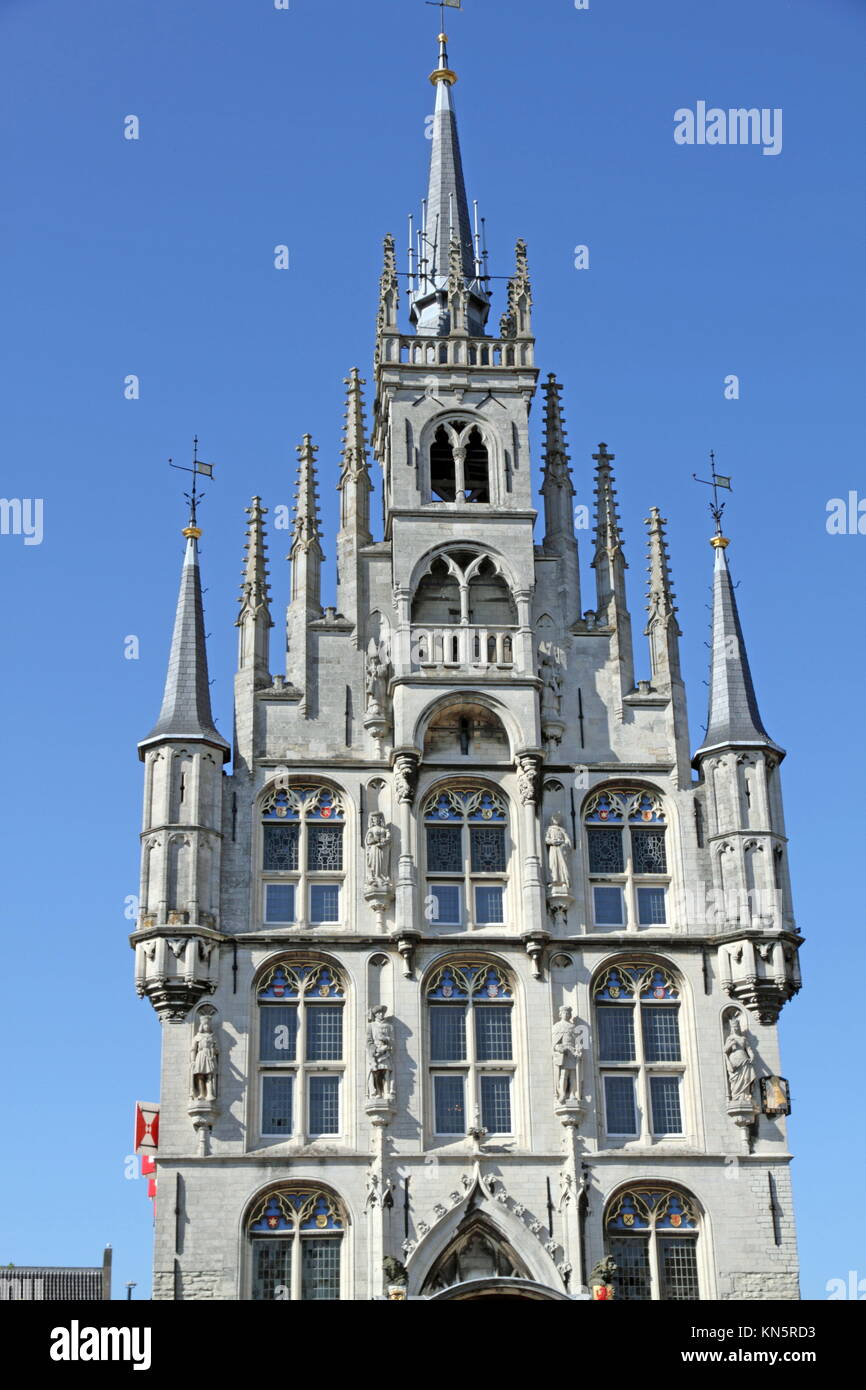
x=760 y=972
x=407 y=944
x=406 y=776
x=535 y=943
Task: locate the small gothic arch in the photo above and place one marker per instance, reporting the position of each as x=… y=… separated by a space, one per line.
x=450 y=707
x=459 y=461
x=477 y=1251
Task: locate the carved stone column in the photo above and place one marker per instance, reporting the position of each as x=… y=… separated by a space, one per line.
x=529 y=791
x=405 y=785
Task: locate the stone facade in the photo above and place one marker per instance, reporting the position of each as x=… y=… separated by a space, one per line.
x=460 y=687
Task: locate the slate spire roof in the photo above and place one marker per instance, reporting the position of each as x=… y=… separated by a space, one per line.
x=186 y=711
x=733 y=716
x=447 y=219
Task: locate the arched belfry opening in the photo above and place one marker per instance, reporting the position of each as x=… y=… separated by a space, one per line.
x=459 y=464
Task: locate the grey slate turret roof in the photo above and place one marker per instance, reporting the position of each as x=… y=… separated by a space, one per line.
x=733 y=716
x=186 y=711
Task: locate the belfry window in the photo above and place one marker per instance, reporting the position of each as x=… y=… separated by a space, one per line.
x=300 y=1008
x=639 y=1052
x=296 y=1235
x=302 y=856
x=466 y=857
x=459 y=464
x=470 y=1049
x=628 y=871
x=652 y=1233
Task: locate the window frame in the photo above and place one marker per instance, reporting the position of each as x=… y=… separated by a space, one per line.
x=303 y=804
x=652 y=1203
x=302 y=1213
x=473 y=980
x=626 y=810
x=640 y=987
x=302 y=983
x=464 y=801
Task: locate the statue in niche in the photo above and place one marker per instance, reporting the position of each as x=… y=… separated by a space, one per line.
x=739 y=1063
x=551 y=689
x=567 y=1054
x=558 y=851
x=204 y=1062
x=377 y=850
x=380 y=1054
x=376 y=676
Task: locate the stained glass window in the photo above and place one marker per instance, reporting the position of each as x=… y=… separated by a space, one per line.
x=648 y=851
x=605 y=850
x=300 y=1026
x=641 y=1047
x=474 y=1047
x=281 y=847
x=640 y=1217
x=277 y=1221
x=444 y=849
x=487 y=844
x=324 y=848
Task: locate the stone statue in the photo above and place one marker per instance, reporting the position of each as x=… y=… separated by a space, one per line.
x=380 y=1054
x=204 y=1062
x=378 y=669
x=738 y=1061
x=567 y=1053
x=551 y=690
x=377 y=848
x=558 y=852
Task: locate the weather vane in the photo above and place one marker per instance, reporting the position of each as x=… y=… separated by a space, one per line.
x=199 y=469
x=442 y=5
x=716 y=481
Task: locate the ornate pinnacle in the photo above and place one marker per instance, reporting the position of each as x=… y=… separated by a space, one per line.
x=516 y=321
x=608 y=540
x=255 y=589
x=556 y=458
x=306 y=534
x=661 y=606
x=389 y=293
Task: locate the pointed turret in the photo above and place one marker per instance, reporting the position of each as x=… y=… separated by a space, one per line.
x=306 y=553
x=557 y=489
x=446 y=220
x=610 y=566
x=662 y=627
x=733 y=718
x=186 y=710
x=254 y=618
x=354 y=488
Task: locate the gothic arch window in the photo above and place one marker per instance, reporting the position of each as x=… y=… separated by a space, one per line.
x=302 y=854
x=652 y=1232
x=296 y=1237
x=463 y=612
x=300 y=1005
x=459 y=463
x=470 y=1049
x=466 y=856
x=639 y=1052
x=627 y=858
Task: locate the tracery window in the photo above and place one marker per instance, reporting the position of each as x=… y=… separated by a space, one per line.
x=627 y=859
x=466 y=856
x=652 y=1233
x=296 y=1235
x=469 y=1006
x=639 y=1052
x=302 y=856
x=300 y=1007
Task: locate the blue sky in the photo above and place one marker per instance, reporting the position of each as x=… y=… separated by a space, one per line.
x=154 y=257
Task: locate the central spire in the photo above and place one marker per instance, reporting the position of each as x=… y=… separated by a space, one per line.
x=446 y=222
